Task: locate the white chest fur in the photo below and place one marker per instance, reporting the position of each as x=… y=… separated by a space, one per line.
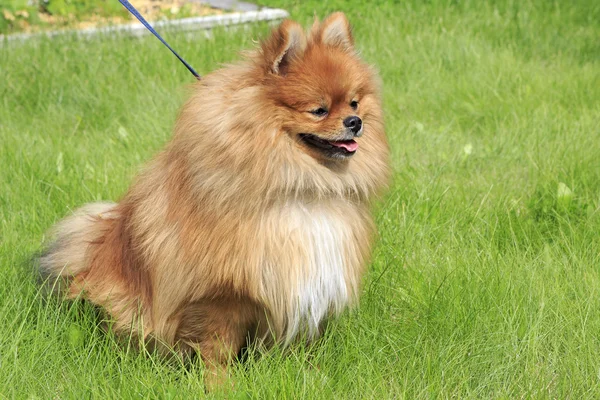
x=315 y=251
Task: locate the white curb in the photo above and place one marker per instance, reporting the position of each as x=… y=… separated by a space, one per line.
x=137 y=29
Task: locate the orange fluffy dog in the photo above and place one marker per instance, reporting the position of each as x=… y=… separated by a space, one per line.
x=254 y=222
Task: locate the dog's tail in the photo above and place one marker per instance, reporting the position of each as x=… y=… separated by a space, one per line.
x=67 y=253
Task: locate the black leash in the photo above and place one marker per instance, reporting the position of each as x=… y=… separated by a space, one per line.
x=136 y=14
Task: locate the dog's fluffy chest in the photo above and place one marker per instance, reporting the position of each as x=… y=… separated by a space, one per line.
x=322 y=287
x=314 y=260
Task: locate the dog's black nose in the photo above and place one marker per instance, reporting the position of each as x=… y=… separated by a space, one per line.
x=354 y=123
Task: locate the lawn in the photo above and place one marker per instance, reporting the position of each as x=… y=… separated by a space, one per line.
x=485 y=280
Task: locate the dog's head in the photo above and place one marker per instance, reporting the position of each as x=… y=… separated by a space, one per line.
x=325 y=92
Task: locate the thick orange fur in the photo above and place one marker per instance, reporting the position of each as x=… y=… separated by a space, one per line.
x=239 y=229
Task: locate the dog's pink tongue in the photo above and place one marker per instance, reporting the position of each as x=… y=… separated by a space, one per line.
x=349 y=145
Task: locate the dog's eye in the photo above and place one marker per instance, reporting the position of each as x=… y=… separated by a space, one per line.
x=319 y=112
x=354 y=104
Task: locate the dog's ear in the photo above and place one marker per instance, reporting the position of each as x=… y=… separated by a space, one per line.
x=336 y=31
x=286 y=43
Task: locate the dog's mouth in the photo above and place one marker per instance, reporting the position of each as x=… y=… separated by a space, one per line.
x=331 y=148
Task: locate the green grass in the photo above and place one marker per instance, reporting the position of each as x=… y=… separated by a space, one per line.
x=485 y=282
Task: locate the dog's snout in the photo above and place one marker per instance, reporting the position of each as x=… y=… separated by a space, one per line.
x=353 y=123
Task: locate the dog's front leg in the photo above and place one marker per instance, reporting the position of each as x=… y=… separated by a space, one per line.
x=216 y=329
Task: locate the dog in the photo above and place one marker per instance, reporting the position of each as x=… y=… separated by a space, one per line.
x=253 y=225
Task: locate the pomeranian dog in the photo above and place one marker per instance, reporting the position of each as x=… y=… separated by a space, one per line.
x=253 y=224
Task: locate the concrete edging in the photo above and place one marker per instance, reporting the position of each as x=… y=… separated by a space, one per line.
x=188 y=24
